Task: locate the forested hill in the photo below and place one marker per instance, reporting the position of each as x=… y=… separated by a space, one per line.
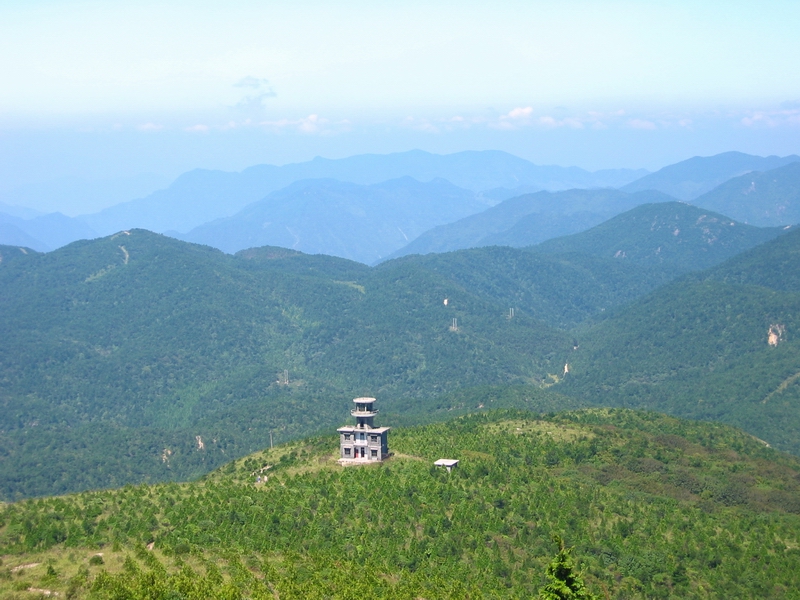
x=563 y=290
x=769 y=198
x=654 y=507
x=675 y=236
x=9 y=253
x=139 y=357
x=719 y=345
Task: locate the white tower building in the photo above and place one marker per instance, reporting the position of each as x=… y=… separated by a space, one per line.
x=364 y=442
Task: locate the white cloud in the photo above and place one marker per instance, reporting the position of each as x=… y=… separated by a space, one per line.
x=514 y=118
x=772 y=118
x=552 y=123
x=260 y=91
x=641 y=124
x=253 y=83
x=419 y=124
x=199 y=128
x=519 y=113
x=150 y=127
x=523 y=117
x=312 y=124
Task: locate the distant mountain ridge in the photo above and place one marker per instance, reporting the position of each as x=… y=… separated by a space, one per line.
x=200 y=196
x=12 y=235
x=74 y=195
x=530 y=219
x=767 y=199
x=43 y=233
x=326 y=216
x=694 y=177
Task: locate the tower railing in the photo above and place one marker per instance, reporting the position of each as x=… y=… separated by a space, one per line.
x=364 y=413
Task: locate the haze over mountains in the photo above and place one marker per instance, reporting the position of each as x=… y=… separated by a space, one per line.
x=358 y=222
x=199 y=198
x=767 y=198
x=138 y=336
x=529 y=219
x=694 y=177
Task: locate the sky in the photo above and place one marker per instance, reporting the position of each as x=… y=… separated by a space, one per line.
x=111 y=89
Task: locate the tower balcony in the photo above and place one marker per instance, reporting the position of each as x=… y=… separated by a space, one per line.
x=370 y=412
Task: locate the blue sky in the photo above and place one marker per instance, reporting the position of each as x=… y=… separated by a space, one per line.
x=105 y=89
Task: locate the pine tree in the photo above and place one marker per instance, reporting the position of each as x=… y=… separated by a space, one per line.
x=565 y=581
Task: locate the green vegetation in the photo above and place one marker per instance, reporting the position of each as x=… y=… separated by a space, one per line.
x=563 y=290
x=10 y=253
x=565 y=583
x=719 y=345
x=141 y=358
x=138 y=358
x=766 y=198
x=654 y=507
x=676 y=237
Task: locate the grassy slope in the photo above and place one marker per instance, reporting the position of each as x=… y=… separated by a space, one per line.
x=656 y=508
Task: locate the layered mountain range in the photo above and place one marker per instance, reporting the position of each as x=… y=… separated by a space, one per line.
x=350 y=207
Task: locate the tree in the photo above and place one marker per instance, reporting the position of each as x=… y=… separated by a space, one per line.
x=566 y=582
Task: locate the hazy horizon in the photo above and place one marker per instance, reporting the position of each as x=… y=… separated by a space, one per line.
x=103 y=91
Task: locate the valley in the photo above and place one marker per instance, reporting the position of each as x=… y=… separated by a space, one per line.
x=145 y=379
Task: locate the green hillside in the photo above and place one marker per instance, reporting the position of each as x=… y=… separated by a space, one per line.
x=718 y=345
x=675 y=236
x=9 y=253
x=765 y=198
x=654 y=508
x=563 y=290
x=138 y=357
